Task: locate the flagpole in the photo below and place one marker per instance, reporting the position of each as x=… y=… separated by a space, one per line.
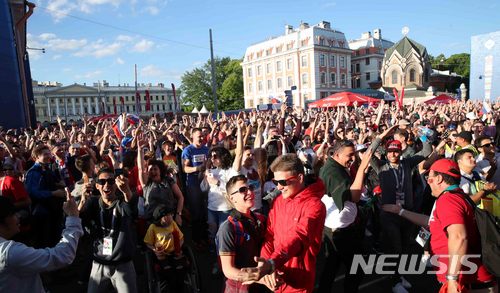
x=136 y=101
x=214 y=85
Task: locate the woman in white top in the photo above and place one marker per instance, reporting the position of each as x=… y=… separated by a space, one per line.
x=218 y=172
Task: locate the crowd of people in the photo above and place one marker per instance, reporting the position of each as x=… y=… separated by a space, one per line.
x=283 y=197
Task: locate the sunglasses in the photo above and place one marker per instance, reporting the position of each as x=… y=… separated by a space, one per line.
x=283 y=182
x=487 y=145
x=110 y=181
x=244 y=189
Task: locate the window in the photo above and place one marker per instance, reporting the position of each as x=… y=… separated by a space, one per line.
x=163 y=107
x=133 y=98
x=279 y=83
x=157 y=107
x=126 y=99
x=333 y=78
x=259 y=86
x=289 y=46
x=342 y=62
x=278 y=49
x=304 y=79
x=128 y=109
x=357 y=67
x=249 y=72
x=250 y=103
x=367 y=61
x=289 y=81
x=259 y=70
x=394 y=76
x=412 y=75
x=322 y=60
x=321 y=42
x=269 y=84
x=278 y=66
x=250 y=87
x=367 y=75
x=332 y=61
x=323 y=78
x=367 y=51
x=289 y=63
x=304 y=60
x=163 y=98
x=379 y=65
x=268 y=68
x=343 y=79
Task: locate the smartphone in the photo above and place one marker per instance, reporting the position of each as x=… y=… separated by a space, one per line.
x=118 y=172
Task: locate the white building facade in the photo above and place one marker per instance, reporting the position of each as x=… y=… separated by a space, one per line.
x=316 y=59
x=367 y=58
x=73 y=101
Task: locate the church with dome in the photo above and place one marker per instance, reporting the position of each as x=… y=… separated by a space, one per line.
x=406 y=65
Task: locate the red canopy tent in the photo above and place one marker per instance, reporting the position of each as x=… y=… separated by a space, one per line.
x=342 y=99
x=441 y=99
x=103 y=117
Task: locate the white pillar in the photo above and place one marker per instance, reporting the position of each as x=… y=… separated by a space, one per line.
x=97 y=105
x=57 y=107
x=81 y=105
x=48 y=108
x=73 y=105
x=89 y=105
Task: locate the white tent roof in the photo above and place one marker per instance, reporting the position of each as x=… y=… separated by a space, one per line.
x=203 y=110
x=195 y=110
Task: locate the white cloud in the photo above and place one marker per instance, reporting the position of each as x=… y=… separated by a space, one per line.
x=99 y=49
x=66 y=44
x=46 y=36
x=89 y=75
x=32 y=42
x=124 y=38
x=55 y=57
x=120 y=61
x=60 y=8
x=153 y=10
x=143 y=46
x=152 y=71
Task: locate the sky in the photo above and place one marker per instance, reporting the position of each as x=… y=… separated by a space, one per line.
x=87 y=41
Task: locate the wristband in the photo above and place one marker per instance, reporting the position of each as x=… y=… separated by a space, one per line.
x=271 y=261
x=452 y=277
x=401 y=212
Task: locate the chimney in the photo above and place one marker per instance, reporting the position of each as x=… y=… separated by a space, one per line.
x=377 y=33
x=288 y=29
x=304 y=25
x=324 y=24
x=366 y=35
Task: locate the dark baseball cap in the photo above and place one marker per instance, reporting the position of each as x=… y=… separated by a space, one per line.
x=467 y=135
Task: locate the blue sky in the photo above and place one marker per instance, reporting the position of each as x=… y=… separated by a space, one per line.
x=95 y=40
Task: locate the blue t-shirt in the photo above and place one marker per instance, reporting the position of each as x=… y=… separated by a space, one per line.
x=196 y=157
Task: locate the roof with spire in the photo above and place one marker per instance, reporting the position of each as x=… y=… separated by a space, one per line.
x=405 y=45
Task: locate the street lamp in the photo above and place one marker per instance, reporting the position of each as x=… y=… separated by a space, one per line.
x=36 y=49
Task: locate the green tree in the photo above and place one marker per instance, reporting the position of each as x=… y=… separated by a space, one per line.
x=460 y=64
x=196 y=88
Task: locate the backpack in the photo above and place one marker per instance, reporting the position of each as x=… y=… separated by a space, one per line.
x=489 y=230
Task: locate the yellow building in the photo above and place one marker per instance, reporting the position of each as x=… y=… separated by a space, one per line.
x=316 y=59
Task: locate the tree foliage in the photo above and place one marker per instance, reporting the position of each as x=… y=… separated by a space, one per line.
x=196 y=88
x=458 y=63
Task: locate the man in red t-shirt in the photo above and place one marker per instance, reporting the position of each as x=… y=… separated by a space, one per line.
x=12 y=188
x=454 y=233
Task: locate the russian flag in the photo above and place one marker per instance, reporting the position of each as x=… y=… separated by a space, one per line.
x=120 y=125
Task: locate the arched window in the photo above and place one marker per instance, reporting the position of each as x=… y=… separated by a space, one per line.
x=412 y=75
x=394 y=76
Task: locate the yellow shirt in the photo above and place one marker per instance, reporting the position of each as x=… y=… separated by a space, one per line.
x=162 y=237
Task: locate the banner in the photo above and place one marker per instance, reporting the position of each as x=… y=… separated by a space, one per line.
x=175 y=98
x=401 y=98
x=148 y=101
x=114 y=105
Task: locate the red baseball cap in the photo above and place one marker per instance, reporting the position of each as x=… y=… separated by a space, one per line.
x=446 y=166
x=394 y=146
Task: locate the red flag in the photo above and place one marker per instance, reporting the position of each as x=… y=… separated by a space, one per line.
x=395 y=92
x=175 y=99
x=148 y=101
x=401 y=98
x=114 y=105
x=137 y=102
x=122 y=107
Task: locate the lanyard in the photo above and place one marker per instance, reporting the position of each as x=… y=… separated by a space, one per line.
x=113 y=220
x=400 y=174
